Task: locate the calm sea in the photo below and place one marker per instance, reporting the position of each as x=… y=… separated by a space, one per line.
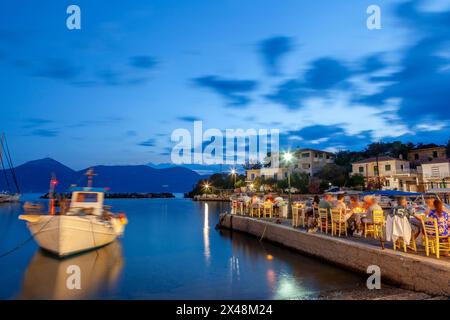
x=170 y=250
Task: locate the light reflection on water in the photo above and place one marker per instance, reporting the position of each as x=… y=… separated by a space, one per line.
x=171 y=250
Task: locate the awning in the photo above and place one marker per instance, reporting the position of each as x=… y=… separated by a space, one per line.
x=391 y=193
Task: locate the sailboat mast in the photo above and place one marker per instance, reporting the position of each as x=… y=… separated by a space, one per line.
x=90 y=174
x=3 y=164
x=10 y=163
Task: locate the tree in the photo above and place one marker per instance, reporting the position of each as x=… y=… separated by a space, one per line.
x=356 y=181
x=448 y=149
x=334 y=174
x=248 y=165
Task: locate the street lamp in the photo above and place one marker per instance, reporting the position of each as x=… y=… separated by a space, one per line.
x=206 y=186
x=288 y=158
x=234 y=173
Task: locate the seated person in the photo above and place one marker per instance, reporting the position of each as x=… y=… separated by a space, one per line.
x=340 y=205
x=442 y=218
x=429 y=202
x=404 y=210
x=371 y=204
x=326 y=203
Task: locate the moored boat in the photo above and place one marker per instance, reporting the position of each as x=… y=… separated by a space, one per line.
x=86 y=225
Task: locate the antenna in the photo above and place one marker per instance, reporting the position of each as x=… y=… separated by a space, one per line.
x=90 y=174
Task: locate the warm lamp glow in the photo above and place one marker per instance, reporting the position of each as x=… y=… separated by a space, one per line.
x=288 y=157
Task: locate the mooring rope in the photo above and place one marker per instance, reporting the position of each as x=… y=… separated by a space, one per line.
x=264 y=232
x=20 y=245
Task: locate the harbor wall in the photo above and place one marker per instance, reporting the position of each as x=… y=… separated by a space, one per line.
x=409 y=271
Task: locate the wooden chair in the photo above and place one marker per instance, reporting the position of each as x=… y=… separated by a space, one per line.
x=432 y=240
x=376 y=226
x=323 y=220
x=268 y=210
x=241 y=208
x=338 y=222
x=400 y=243
x=234 y=207
x=255 y=211
x=295 y=217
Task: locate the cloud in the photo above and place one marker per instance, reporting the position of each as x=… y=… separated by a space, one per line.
x=325 y=73
x=45 y=133
x=326 y=136
x=273 y=50
x=143 y=62
x=321 y=75
x=36 y=122
x=289 y=93
x=148 y=143
x=131 y=133
x=422 y=82
x=188 y=119
x=58 y=69
x=234 y=91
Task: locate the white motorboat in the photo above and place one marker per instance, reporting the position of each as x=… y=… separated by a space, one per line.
x=6 y=197
x=86 y=225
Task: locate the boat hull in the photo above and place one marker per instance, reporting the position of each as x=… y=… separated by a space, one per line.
x=9 y=198
x=67 y=235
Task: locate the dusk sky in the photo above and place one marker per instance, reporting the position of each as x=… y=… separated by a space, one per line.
x=113 y=92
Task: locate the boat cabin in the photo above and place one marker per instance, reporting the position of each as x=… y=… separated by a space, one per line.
x=88 y=198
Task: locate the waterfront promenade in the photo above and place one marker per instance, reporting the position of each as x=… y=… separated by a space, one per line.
x=411 y=271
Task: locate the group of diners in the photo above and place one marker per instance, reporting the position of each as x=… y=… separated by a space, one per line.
x=403 y=220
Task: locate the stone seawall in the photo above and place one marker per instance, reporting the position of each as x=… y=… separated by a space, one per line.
x=410 y=271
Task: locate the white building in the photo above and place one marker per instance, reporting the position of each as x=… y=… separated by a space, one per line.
x=393 y=173
x=308 y=161
x=434 y=174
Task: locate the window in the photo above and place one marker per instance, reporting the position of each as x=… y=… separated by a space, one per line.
x=387 y=167
x=275 y=176
x=402 y=167
x=328 y=156
x=86 y=197
x=435 y=154
x=375 y=169
x=361 y=169
x=316 y=155
x=388 y=183
x=416 y=156
x=285 y=174
x=435 y=172
x=321 y=155
x=252 y=176
x=306 y=155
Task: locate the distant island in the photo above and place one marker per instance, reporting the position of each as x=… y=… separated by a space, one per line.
x=34 y=177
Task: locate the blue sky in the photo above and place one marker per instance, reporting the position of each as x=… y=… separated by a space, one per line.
x=112 y=92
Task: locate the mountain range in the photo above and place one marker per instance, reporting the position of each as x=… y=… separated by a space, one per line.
x=34 y=176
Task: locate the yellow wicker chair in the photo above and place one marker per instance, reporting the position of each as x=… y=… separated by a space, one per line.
x=255 y=211
x=376 y=226
x=267 y=210
x=432 y=240
x=338 y=223
x=295 y=215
